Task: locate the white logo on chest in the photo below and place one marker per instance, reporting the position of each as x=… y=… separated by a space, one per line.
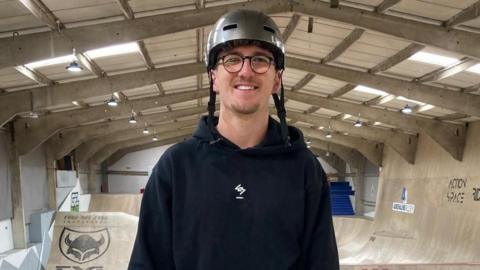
x=240 y=191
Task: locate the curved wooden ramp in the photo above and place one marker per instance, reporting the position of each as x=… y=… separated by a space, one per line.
x=92 y=241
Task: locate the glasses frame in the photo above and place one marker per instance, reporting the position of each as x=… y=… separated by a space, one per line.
x=221 y=61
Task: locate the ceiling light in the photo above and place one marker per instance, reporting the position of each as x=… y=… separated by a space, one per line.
x=368 y=90
x=309 y=143
x=74 y=67
x=346 y=133
x=52 y=61
x=321 y=127
x=434 y=59
x=407 y=109
x=155 y=138
x=327 y=154
x=146 y=131
x=112 y=102
x=75 y=103
x=33 y=115
x=329 y=135
x=474 y=69
x=113 y=50
x=132 y=119
x=358 y=123
x=376 y=123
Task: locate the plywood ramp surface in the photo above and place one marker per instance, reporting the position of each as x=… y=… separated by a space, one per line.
x=444 y=230
x=92 y=241
x=126 y=203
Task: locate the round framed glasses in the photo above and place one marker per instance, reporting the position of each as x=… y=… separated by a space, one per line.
x=234 y=63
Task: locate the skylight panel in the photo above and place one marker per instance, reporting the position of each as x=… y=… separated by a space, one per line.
x=434 y=59
x=113 y=50
x=410 y=100
x=52 y=61
x=474 y=69
x=373 y=91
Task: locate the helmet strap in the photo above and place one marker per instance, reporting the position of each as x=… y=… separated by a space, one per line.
x=211 y=105
x=282 y=114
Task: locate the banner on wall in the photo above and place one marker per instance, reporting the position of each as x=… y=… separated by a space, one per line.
x=403 y=206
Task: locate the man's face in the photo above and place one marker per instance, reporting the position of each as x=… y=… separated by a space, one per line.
x=245 y=92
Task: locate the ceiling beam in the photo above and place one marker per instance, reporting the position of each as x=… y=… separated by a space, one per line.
x=30 y=133
x=13 y=104
x=471 y=89
x=292 y=24
x=445 y=72
x=68 y=139
x=90 y=65
x=465 y=15
x=126 y=9
x=451 y=117
x=351 y=156
x=86 y=150
x=342 y=91
x=372 y=150
x=34 y=75
x=124 y=151
x=66 y=93
x=304 y=81
x=404 y=144
x=117 y=32
x=449 y=136
x=448 y=99
x=145 y=55
x=331 y=159
x=397 y=58
x=42 y=12
x=355 y=35
x=110 y=149
x=454 y=40
x=385 y=5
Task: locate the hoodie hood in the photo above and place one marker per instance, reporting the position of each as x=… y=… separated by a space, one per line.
x=271 y=144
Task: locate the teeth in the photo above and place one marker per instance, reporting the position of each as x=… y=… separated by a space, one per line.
x=245 y=87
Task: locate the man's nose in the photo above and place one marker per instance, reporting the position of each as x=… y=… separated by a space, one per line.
x=246 y=68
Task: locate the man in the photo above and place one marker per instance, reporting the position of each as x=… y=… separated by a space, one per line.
x=244 y=192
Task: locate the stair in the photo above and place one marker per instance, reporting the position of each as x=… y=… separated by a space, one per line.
x=340 y=193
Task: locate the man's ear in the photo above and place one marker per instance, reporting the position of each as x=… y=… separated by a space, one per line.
x=213 y=76
x=277 y=81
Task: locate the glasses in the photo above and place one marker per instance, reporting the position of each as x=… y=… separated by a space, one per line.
x=234 y=63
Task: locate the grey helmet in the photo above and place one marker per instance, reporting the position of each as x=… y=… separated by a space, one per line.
x=252 y=25
x=244 y=24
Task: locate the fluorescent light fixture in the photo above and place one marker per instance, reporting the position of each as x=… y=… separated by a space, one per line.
x=112 y=102
x=74 y=67
x=410 y=100
x=407 y=109
x=358 y=123
x=132 y=120
x=113 y=50
x=329 y=135
x=145 y=130
x=373 y=91
x=155 y=138
x=346 y=133
x=434 y=59
x=474 y=69
x=52 y=61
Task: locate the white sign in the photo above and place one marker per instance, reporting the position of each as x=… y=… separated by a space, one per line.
x=403 y=207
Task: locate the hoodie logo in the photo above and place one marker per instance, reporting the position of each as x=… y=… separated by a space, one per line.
x=240 y=191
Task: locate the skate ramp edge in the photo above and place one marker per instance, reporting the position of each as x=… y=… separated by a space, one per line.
x=126 y=203
x=92 y=241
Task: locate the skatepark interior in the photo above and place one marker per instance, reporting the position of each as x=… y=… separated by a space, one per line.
x=386 y=92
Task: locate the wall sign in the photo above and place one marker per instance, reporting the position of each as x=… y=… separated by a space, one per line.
x=403 y=207
x=456 y=190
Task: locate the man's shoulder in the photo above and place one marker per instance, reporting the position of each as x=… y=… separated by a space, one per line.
x=181 y=149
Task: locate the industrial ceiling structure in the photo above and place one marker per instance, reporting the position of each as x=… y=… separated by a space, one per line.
x=360 y=75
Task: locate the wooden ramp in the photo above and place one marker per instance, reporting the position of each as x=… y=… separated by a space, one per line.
x=93 y=241
x=126 y=203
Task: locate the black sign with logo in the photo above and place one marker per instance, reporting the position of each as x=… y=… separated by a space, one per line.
x=84 y=246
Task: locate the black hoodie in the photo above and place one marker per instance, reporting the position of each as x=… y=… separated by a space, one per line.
x=210 y=205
